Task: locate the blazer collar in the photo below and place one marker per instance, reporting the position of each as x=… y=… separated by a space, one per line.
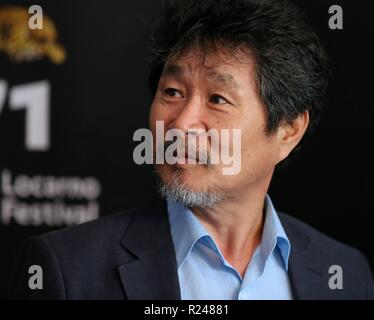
x=308 y=275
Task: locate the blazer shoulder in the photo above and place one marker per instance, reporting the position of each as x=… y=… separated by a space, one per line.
x=71 y=258
x=323 y=247
x=322 y=252
x=315 y=237
x=111 y=226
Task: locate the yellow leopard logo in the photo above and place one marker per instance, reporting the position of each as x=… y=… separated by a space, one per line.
x=21 y=43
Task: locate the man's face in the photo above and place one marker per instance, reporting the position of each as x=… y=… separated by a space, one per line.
x=218 y=92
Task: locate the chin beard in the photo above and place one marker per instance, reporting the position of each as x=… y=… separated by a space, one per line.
x=178 y=192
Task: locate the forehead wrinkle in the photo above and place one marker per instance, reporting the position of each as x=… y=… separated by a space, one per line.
x=177 y=71
x=172 y=70
x=224 y=78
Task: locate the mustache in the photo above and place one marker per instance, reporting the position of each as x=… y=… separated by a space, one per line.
x=188 y=149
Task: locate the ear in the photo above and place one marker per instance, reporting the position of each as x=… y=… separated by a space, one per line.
x=290 y=134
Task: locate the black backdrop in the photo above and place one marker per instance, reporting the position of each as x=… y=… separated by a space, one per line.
x=97 y=96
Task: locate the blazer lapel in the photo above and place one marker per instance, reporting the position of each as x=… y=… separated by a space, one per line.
x=306 y=271
x=151 y=273
x=307 y=281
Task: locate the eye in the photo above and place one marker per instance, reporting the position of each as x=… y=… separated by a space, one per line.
x=172 y=92
x=217 y=99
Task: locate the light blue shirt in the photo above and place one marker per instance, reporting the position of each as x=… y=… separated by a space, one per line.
x=205 y=274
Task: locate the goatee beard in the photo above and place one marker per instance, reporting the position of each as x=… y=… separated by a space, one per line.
x=178 y=192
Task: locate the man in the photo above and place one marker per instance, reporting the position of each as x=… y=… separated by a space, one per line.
x=251 y=65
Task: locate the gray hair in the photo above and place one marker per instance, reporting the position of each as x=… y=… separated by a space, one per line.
x=179 y=192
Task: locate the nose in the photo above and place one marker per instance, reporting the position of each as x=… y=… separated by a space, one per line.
x=188 y=116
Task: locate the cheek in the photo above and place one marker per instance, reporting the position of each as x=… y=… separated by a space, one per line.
x=158 y=112
x=153 y=114
x=165 y=172
x=258 y=154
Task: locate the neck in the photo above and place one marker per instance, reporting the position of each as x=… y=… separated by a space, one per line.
x=236 y=226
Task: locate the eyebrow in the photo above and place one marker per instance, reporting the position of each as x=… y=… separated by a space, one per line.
x=225 y=78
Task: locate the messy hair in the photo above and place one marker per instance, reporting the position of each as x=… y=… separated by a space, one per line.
x=291 y=66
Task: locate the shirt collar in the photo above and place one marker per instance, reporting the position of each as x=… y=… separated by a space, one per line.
x=274 y=235
x=187 y=230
